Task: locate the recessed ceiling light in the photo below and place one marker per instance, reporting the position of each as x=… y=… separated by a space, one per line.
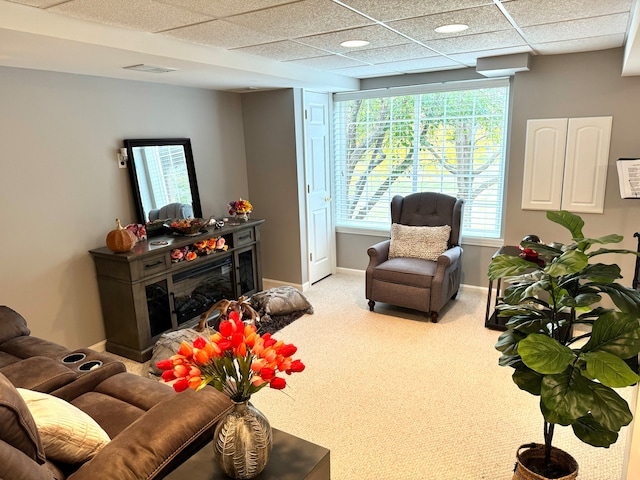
x=354 y=43
x=454 y=28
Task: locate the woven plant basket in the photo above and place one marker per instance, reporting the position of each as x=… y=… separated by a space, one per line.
x=535 y=451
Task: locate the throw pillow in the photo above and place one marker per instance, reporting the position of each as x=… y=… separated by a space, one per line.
x=68 y=434
x=418 y=242
x=280 y=301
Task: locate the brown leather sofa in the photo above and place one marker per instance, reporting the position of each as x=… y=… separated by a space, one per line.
x=152 y=428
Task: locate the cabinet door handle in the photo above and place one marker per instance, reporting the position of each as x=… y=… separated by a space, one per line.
x=151 y=265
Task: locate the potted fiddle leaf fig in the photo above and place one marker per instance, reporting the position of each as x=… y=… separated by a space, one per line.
x=574 y=371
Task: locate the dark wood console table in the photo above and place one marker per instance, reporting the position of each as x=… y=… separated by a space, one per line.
x=146 y=292
x=291 y=458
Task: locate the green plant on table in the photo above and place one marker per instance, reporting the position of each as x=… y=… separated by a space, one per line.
x=575 y=376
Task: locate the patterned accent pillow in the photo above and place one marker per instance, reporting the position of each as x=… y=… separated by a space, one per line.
x=418 y=242
x=68 y=434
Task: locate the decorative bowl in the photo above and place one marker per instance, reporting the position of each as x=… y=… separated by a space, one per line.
x=187 y=226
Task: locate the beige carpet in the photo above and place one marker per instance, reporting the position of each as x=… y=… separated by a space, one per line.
x=395 y=397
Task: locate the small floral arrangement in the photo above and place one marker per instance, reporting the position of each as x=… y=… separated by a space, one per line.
x=236 y=360
x=240 y=207
x=199 y=249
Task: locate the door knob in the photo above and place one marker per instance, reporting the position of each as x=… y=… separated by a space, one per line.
x=327 y=199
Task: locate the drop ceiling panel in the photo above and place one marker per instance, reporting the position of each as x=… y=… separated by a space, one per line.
x=308 y=17
x=377 y=36
x=528 y=13
x=302 y=37
x=221 y=33
x=283 y=50
x=145 y=15
x=399 y=9
x=577 y=29
x=224 y=8
x=480 y=20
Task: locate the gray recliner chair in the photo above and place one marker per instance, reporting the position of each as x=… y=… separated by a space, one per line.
x=172 y=210
x=417 y=283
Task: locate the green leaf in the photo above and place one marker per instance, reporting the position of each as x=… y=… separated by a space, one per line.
x=544 y=355
x=617 y=333
x=609 y=369
x=599 y=272
x=568 y=220
x=609 y=409
x=591 y=432
x=565 y=397
x=507 y=265
x=625 y=298
x=569 y=262
x=527 y=380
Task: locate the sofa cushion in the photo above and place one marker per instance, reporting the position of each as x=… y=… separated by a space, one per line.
x=68 y=434
x=18 y=427
x=11 y=324
x=427 y=243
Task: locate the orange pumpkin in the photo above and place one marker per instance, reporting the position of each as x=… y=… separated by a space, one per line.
x=120 y=240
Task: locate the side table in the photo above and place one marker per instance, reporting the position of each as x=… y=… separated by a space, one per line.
x=292 y=458
x=492 y=321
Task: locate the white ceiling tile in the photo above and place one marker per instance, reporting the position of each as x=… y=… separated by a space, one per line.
x=145 y=15
x=397 y=9
x=224 y=8
x=480 y=20
x=283 y=51
x=576 y=29
x=392 y=53
x=37 y=3
x=471 y=58
x=367 y=71
x=571 y=46
x=527 y=13
x=425 y=64
x=376 y=35
x=220 y=33
x=329 y=62
x=308 y=17
x=473 y=43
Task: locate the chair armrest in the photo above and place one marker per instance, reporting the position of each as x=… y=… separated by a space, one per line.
x=378 y=253
x=450 y=256
x=42 y=374
x=159 y=440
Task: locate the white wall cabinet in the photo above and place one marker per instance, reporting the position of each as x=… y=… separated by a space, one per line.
x=565 y=165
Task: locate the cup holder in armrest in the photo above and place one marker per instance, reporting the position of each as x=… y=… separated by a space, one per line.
x=74 y=358
x=92 y=365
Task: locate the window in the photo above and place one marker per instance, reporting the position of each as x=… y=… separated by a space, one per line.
x=446 y=138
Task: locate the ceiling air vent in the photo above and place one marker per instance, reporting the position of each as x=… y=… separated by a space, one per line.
x=149 y=68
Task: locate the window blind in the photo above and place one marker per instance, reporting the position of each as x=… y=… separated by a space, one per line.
x=449 y=140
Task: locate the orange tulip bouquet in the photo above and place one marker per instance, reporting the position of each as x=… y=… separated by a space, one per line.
x=236 y=360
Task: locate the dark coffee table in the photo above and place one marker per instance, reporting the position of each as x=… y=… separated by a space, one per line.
x=292 y=458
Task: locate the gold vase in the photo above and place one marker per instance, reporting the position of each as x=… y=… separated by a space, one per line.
x=242 y=441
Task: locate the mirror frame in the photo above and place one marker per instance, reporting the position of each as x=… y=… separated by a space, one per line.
x=130 y=144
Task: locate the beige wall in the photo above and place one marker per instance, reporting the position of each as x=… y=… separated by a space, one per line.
x=274 y=160
x=61 y=188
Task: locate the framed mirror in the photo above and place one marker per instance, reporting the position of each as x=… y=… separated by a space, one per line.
x=162 y=172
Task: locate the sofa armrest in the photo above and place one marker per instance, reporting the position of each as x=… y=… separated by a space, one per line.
x=42 y=374
x=18 y=466
x=159 y=440
x=450 y=256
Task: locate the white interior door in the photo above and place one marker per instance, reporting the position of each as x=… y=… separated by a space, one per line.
x=321 y=243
